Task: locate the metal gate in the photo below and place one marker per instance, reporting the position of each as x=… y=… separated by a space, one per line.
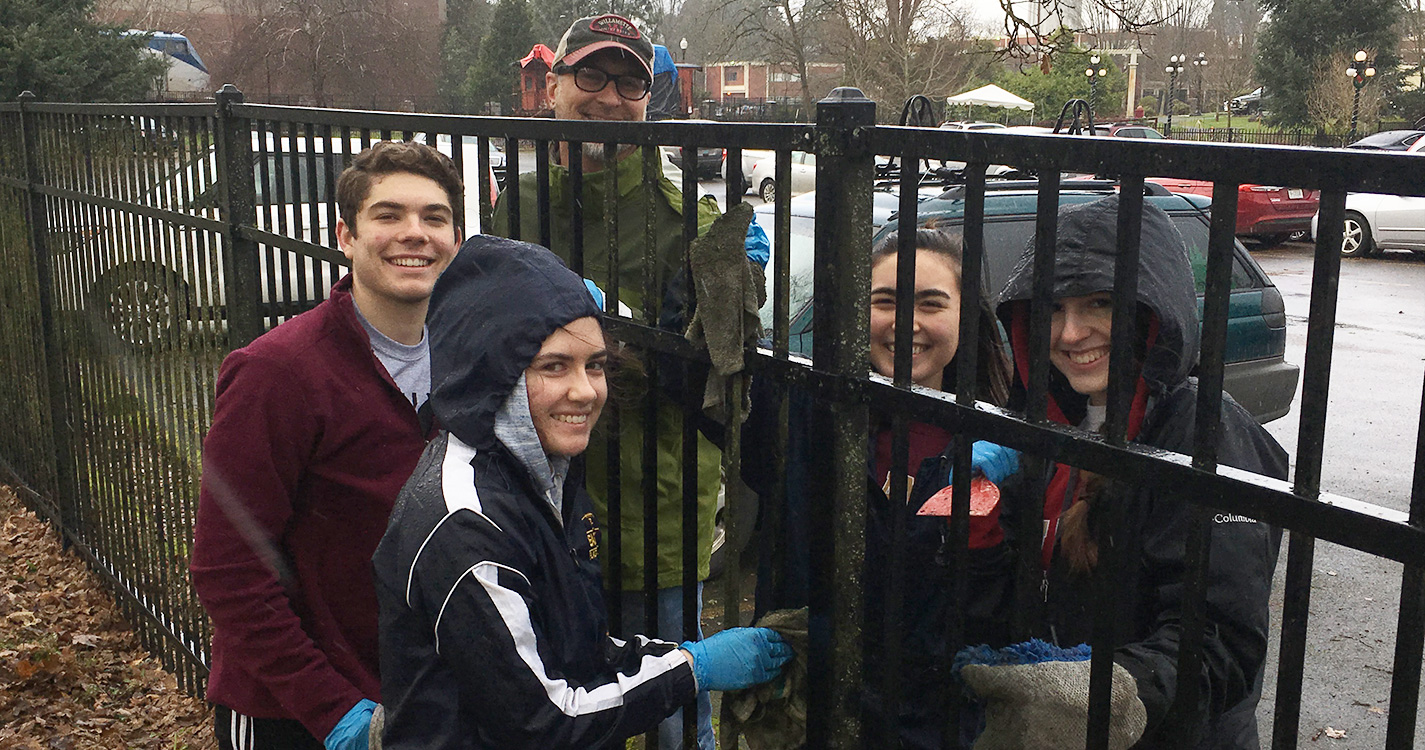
x=141 y=243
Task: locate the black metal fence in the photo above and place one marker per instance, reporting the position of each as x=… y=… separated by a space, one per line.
x=140 y=243
x=1316 y=138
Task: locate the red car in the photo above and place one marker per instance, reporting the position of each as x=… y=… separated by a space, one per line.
x=1266 y=214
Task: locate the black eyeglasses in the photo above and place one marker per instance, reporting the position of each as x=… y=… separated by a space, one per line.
x=593 y=80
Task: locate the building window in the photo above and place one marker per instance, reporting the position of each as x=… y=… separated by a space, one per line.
x=732 y=75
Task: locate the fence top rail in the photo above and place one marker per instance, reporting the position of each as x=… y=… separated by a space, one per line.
x=1240 y=163
x=744 y=135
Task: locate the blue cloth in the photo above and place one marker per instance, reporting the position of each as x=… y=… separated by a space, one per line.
x=663 y=61
x=759 y=248
x=595 y=292
x=353 y=732
x=1032 y=651
x=996 y=462
x=738 y=658
x=669 y=627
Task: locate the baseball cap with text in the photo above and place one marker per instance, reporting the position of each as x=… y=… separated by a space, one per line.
x=589 y=35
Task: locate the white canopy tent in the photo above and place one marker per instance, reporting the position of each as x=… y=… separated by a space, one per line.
x=990 y=96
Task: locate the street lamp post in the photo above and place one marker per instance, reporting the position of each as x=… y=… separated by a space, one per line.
x=1094 y=72
x=1199 y=63
x=1361 y=69
x=1175 y=66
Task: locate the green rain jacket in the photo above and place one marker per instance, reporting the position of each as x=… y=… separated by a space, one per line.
x=633 y=253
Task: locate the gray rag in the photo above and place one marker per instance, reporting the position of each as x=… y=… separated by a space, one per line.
x=773 y=715
x=730 y=290
x=1044 y=706
x=378 y=727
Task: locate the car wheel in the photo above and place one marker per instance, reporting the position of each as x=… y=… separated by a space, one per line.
x=144 y=304
x=1356 y=236
x=725 y=546
x=768 y=190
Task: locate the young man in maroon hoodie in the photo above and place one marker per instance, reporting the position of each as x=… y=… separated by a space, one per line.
x=316 y=428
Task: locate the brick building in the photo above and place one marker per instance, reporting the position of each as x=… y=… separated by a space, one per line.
x=764 y=81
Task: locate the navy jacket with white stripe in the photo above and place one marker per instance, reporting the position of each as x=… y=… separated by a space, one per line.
x=493 y=631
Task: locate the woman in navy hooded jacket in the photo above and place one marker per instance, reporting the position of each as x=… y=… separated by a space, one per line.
x=1152 y=536
x=493 y=631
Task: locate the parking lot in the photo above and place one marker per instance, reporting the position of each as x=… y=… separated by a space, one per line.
x=1377 y=361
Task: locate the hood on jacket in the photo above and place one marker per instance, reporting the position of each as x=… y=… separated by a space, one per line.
x=490 y=313
x=1085 y=250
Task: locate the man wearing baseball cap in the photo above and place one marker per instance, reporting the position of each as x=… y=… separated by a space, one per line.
x=603 y=70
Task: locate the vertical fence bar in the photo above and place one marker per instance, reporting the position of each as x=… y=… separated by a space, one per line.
x=241 y=269
x=1410 y=627
x=692 y=403
x=1296 y=604
x=38 y=219
x=845 y=168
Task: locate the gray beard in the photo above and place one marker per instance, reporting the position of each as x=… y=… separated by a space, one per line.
x=595 y=151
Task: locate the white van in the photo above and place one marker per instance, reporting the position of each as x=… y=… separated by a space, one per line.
x=147 y=281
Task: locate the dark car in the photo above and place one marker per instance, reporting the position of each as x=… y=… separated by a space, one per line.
x=1246 y=103
x=709 y=163
x=1256 y=373
x=1389 y=140
x=709 y=160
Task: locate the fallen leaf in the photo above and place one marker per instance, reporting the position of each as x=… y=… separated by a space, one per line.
x=23 y=617
x=1335 y=734
x=85 y=640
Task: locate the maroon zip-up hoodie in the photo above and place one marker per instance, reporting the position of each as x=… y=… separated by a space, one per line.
x=310 y=443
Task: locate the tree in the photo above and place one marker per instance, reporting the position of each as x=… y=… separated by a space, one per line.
x=788 y=32
x=497 y=72
x=1039 y=30
x=551 y=18
x=466 y=21
x=1065 y=80
x=894 y=49
x=55 y=49
x=332 y=51
x=1332 y=97
x=1301 y=35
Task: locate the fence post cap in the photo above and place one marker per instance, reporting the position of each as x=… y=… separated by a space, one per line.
x=27 y=96
x=844 y=94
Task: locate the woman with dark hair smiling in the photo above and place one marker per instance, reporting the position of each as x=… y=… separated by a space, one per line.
x=922 y=672
x=493 y=631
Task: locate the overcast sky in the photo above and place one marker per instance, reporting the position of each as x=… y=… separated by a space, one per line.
x=987 y=14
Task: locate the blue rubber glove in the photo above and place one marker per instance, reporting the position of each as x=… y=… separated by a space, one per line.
x=759 y=248
x=595 y=292
x=353 y=732
x=738 y=658
x=996 y=462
